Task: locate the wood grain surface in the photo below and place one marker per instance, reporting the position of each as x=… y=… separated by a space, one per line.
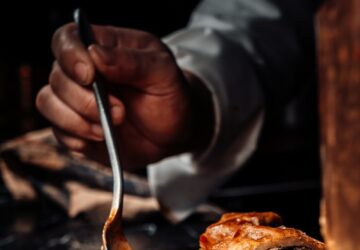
x=338 y=27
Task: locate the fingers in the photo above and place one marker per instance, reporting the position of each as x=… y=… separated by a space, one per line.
x=73 y=57
x=80 y=99
x=154 y=72
x=85 y=122
x=122 y=56
x=63 y=117
x=70 y=141
x=94 y=150
x=126 y=38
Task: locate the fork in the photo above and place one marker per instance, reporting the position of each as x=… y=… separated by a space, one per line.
x=112 y=235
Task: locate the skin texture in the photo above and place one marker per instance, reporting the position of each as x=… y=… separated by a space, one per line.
x=150 y=97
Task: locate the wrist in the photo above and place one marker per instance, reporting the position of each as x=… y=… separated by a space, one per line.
x=202 y=115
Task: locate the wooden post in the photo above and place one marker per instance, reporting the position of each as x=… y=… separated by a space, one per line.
x=339 y=96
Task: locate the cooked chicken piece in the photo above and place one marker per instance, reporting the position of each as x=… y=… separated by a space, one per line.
x=255 y=231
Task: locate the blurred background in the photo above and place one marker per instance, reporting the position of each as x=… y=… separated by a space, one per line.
x=282 y=176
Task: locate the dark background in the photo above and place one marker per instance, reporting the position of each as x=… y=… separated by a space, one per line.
x=282 y=176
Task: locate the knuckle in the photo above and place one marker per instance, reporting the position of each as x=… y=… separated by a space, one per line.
x=76 y=145
x=62 y=44
x=68 y=48
x=148 y=40
x=60 y=34
x=42 y=98
x=71 y=143
x=89 y=105
x=54 y=77
x=106 y=35
x=57 y=82
x=74 y=126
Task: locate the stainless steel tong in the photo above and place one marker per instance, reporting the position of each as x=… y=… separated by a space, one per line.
x=112 y=237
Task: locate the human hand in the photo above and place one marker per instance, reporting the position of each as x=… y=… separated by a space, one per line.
x=150 y=99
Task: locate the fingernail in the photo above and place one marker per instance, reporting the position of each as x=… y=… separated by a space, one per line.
x=116 y=114
x=81 y=71
x=97 y=131
x=104 y=56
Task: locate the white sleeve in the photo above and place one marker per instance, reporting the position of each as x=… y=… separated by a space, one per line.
x=218 y=46
x=180 y=183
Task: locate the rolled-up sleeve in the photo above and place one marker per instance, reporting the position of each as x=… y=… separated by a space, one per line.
x=246 y=53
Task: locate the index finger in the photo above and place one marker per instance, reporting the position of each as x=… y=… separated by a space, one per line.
x=71 y=54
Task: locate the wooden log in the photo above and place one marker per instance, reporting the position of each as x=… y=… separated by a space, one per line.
x=339 y=97
x=36 y=154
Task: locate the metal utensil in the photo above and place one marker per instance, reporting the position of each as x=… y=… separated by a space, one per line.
x=112 y=236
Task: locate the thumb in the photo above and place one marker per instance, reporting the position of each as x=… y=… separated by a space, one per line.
x=137 y=68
